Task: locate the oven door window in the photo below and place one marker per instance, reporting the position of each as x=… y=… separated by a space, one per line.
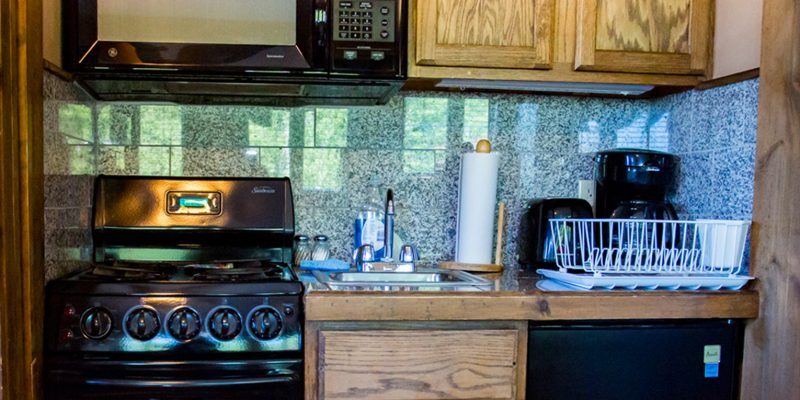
x=191 y=34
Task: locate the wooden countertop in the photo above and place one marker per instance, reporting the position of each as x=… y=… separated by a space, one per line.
x=525 y=302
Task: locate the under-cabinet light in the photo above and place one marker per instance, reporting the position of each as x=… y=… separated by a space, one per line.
x=537 y=86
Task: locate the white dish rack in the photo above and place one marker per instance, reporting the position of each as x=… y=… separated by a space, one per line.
x=649 y=254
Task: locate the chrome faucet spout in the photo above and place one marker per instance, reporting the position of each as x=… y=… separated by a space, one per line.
x=388 y=227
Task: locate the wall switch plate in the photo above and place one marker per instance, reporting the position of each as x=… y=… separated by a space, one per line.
x=586 y=191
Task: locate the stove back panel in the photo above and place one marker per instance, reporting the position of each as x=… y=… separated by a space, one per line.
x=192 y=219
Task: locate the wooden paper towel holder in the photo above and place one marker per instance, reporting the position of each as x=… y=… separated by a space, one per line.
x=498 y=250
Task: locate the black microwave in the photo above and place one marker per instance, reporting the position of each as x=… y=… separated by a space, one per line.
x=241 y=47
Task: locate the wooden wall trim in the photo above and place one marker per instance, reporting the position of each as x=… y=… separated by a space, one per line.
x=730 y=79
x=58 y=71
x=772 y=342
x=21 y=198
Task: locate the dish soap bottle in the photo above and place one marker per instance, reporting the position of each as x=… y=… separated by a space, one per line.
x=369 y=224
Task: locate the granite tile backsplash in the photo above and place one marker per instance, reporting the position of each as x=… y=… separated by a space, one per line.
x=69 y=166
x=714 y=133
x=411 y=145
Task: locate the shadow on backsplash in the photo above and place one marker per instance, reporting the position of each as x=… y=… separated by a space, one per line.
x=412 y=144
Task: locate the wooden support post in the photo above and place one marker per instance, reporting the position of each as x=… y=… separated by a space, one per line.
x=21 y=198
x=772 y=342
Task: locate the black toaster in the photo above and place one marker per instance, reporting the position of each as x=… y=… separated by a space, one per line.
x=536 y=247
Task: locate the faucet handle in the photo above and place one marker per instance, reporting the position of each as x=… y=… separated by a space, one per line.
x=367 y=252
x=408 y=253
x=364 y=254
x=408 y=259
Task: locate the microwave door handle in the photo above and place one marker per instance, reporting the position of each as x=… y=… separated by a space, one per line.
x=321 y=22
x=187 y=384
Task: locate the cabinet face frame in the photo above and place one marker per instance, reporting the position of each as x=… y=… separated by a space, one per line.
x=431 y=53
x=696 y=62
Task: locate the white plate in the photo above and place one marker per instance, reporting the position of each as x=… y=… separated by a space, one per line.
x=648 y=282
x=552 y=285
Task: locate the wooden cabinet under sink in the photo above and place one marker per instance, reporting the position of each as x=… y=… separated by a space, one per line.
x=419 y=360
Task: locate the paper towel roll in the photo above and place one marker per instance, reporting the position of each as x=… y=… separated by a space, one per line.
x=477 y=199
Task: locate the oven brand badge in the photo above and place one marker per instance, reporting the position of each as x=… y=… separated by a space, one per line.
x=263 y=190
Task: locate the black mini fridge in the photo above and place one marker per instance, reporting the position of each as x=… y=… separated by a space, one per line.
x=650 y=360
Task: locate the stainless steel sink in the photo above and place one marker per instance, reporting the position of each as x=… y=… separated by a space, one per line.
x=424 y=280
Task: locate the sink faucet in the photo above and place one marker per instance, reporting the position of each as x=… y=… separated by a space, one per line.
x=365 y=255
x=365 y=260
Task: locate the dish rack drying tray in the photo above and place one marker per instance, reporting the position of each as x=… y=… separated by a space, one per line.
x=649 y=254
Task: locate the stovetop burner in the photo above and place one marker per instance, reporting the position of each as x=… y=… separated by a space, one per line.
x=128 y=273
x=236 y=271
x=268 y=272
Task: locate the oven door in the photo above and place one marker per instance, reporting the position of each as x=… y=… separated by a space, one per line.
x=68 y=379
x=181 y=35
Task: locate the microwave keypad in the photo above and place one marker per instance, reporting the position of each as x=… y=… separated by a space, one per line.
x=364 y=21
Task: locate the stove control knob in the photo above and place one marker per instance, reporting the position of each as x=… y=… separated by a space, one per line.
x=96 y=323
x=225 y=323
x=265 y=323
x=142 y=323
x=184 y=324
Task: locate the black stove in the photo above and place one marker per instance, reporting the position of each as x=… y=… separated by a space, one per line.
x=191 y=295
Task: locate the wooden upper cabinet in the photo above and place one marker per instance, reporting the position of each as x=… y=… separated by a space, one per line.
x=644 y=36
x=485 y=33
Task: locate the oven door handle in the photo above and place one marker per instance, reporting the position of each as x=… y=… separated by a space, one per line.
x=145 y=383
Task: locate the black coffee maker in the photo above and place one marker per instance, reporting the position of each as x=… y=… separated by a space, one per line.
x=633 y=183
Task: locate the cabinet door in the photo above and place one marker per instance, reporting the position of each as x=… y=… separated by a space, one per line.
x=484 y=33
x=646 y=36
x=435 y=364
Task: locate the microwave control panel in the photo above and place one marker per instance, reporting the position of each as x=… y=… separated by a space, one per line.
x=367 y=37
x=371 y=21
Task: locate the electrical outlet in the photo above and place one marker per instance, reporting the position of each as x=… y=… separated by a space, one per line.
x=586 y=191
